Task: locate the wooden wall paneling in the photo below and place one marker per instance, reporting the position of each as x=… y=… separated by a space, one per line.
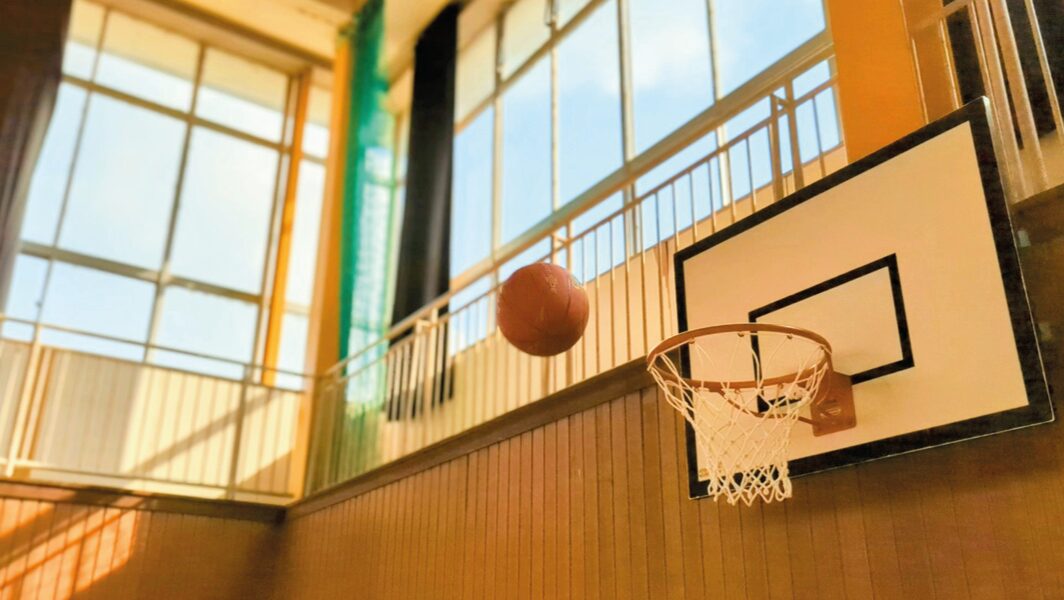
x=777 y=554
x=607 y=529
x=658 y=575
x=856 y=566
x=524 y=522
x=577 y=531
x=622 y=523
x=490 y=564
x=550 y=515
x=824 y=535
x=513 y=520
x=672 y=495
x=977 y=547
x=538 y=525
x=636 y=501
x=588 y=443
x=879 y=532
x=501 y=569
x=563 y=546
x=909 y=528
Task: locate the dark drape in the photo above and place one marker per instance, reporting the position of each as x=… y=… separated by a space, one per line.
x=32 y=33
x=424 y=239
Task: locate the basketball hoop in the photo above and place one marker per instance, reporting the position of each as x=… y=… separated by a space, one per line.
x=747 y=385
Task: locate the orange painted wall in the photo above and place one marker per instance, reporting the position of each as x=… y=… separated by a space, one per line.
x=879 y=97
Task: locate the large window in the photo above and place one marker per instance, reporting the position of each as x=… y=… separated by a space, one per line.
x=572 y=89
x=153 y=214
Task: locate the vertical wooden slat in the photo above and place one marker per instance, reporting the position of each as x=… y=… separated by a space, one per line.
x=588 y=443
x=671 y=497
x=619 y=496
x=607 y=574
x=637 y=516
x=656 y=568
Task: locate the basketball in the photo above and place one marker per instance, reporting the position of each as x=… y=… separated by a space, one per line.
x=542 y=309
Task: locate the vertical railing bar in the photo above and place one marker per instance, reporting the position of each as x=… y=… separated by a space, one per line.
x=598 y=300
x=750 y=175
x=796 y=152
x=1043 y=64
x=613 y=298
x=775 y=148
x=1021 y=102
x=241 y=409
x=994 y=83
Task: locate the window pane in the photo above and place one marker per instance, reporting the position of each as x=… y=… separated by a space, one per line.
x=602 y=246
x=538 y=252
x=123 y=186
x=27 y=285
x=242 y=95
x=53 y=167
x=471 y=220
x=567 y=9
x=207 y=324
x=86 y=22
x=316 y=131
x=753 y=34
x=98 y=302
x=590 y=103
x=526 y=188
x=293 y=349
x=146 y=61
x=224 y=218
x=524 y=31
x=670 y=66
x=302 y=261
x=475 y=73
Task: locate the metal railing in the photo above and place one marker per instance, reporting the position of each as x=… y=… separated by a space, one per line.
x=971 y=48
x=68 y=416
x=447 y=368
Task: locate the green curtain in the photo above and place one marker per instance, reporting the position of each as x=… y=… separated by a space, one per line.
x=366 y=253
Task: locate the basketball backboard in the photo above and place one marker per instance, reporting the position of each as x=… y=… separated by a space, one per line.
x=905 y=261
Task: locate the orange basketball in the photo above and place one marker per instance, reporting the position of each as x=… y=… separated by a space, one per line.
x=542 y=309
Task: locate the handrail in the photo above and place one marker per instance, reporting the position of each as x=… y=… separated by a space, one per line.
x=816 y=49
x=150 y=346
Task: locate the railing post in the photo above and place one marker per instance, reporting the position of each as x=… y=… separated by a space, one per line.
x=796 y=151
x=775 y=149
x=241 y=415
x=22 y=428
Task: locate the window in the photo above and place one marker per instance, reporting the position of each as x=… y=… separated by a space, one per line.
x=557 y=102
x=224 y=218
x=151 y=208
x=123 y=183
x=589 y=88
x=471 y=206
x=526 y=168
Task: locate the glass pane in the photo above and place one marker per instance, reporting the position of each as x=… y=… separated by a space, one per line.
x=753 y=34
x=223 y=222
x=675 y=163
x=475 y=76
x=207 y=324
x=524 y=31
x=293 y=350
x=670 y=66
x=148 y=62
x=538 y=252
x=567 y=9
x=123 y=187
x=589 y=89
x=27 y=286
x=602 y=242
x=303 y=259
x=242 y=95
x=195 y=364
x=52 y=171
x=316 y=130
x=471 y=219
x=98 y=302
x=83 y=37
x=526 y=171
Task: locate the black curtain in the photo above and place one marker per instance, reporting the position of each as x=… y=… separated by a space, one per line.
x=424 y=239
x=32 y=34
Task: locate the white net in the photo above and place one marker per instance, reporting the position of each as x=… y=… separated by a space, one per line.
x=743 y=392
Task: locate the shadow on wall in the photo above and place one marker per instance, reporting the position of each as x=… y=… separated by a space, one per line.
x=66 y=550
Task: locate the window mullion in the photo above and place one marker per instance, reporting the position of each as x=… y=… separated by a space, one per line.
x=164 y=270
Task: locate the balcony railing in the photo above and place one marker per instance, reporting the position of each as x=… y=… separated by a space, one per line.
x=971 y=48
x=74 y=417
x=447 y=368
